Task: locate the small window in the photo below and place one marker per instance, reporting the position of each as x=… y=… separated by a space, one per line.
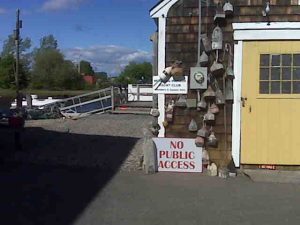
x=286 y=60
x=275 y=60
x=286 y=87
x=264 y=60
x=264 y=73
x=264 y=87
x=279 y=74
x=286 y=73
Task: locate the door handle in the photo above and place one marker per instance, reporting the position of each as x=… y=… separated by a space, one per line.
x=243 y=99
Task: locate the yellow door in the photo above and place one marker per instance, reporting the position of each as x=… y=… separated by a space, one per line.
x=271 y=106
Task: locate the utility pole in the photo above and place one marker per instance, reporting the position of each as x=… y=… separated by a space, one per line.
x=17 y=43
x=79 y=67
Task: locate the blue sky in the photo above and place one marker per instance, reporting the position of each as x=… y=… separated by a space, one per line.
x=109 y=33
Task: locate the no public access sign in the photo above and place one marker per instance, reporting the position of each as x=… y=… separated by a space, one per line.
x=178 y=155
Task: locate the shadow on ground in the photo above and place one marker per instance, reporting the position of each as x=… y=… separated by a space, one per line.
x=57 y=175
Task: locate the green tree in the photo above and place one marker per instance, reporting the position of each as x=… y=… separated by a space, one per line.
x=45 y=70
x=68 y=77
x=7 y=63
x=101 y=75
x=48 y=42
x=86 y=68
x=51 y=70
x=136 y=73
x=102 y=80
x=7 y=73
x=9 y=47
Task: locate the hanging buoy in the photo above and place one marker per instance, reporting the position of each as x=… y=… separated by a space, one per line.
x=203 y=59
x=193 y=126
x=206 y=43
x=217 y=38
x=228 y=9
x=209 y=94
x=220 y=15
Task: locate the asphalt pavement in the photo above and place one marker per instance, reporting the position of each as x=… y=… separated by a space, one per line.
x=39 y=194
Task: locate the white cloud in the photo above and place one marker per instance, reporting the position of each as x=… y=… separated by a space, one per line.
x=109 y=58
x=2 y=11
x=56 y=5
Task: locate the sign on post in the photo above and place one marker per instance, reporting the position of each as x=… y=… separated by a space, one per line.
x=170 y=87
x=178 y=155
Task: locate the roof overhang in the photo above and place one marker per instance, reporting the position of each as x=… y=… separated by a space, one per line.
x=162 y=8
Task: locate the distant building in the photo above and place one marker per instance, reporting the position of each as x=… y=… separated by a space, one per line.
x=90 y=79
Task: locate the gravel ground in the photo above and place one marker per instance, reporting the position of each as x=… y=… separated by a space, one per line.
x=108 y=141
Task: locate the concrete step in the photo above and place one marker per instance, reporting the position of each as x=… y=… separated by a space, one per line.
x=137 y=104
x=131 y=111
x=275 y=176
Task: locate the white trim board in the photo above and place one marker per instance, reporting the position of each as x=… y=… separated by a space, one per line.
x=161 y=12
x=254 y=32
x=236 y=108
x=265 y=26
x=243 y=35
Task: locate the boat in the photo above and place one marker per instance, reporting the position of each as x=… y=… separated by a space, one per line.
x=36 y=102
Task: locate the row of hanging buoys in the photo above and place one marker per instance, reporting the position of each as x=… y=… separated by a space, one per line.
x=213 y=97
x=223 y=12
x=206 y=137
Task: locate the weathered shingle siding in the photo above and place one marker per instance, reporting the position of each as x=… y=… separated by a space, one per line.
x=181 y=44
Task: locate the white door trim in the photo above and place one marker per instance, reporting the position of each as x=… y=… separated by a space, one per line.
x=252 y=31
x=236 y=110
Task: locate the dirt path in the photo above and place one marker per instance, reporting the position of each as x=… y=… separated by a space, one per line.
x=106 y=141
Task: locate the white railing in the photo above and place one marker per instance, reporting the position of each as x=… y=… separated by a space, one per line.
x=140 y=93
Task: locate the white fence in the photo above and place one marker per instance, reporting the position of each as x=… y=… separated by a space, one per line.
x=140 y=92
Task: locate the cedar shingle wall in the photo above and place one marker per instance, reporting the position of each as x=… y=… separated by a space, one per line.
x=181 y=44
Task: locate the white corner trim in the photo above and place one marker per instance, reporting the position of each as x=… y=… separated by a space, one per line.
x=265 y=26
x=161 y=12
x=162 y=8
x=236 y=110
x=161 y=65
x=161 y=107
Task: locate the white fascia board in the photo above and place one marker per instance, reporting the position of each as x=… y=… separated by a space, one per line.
x=265 y=26
x=162 y=8
x=246 y=35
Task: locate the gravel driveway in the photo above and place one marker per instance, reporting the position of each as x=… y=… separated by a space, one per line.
x=107 y=141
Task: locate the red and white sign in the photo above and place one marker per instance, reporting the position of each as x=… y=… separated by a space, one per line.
x=178 y=155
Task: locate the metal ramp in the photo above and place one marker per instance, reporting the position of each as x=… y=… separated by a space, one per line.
x=93 y=102
x=112 y=99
